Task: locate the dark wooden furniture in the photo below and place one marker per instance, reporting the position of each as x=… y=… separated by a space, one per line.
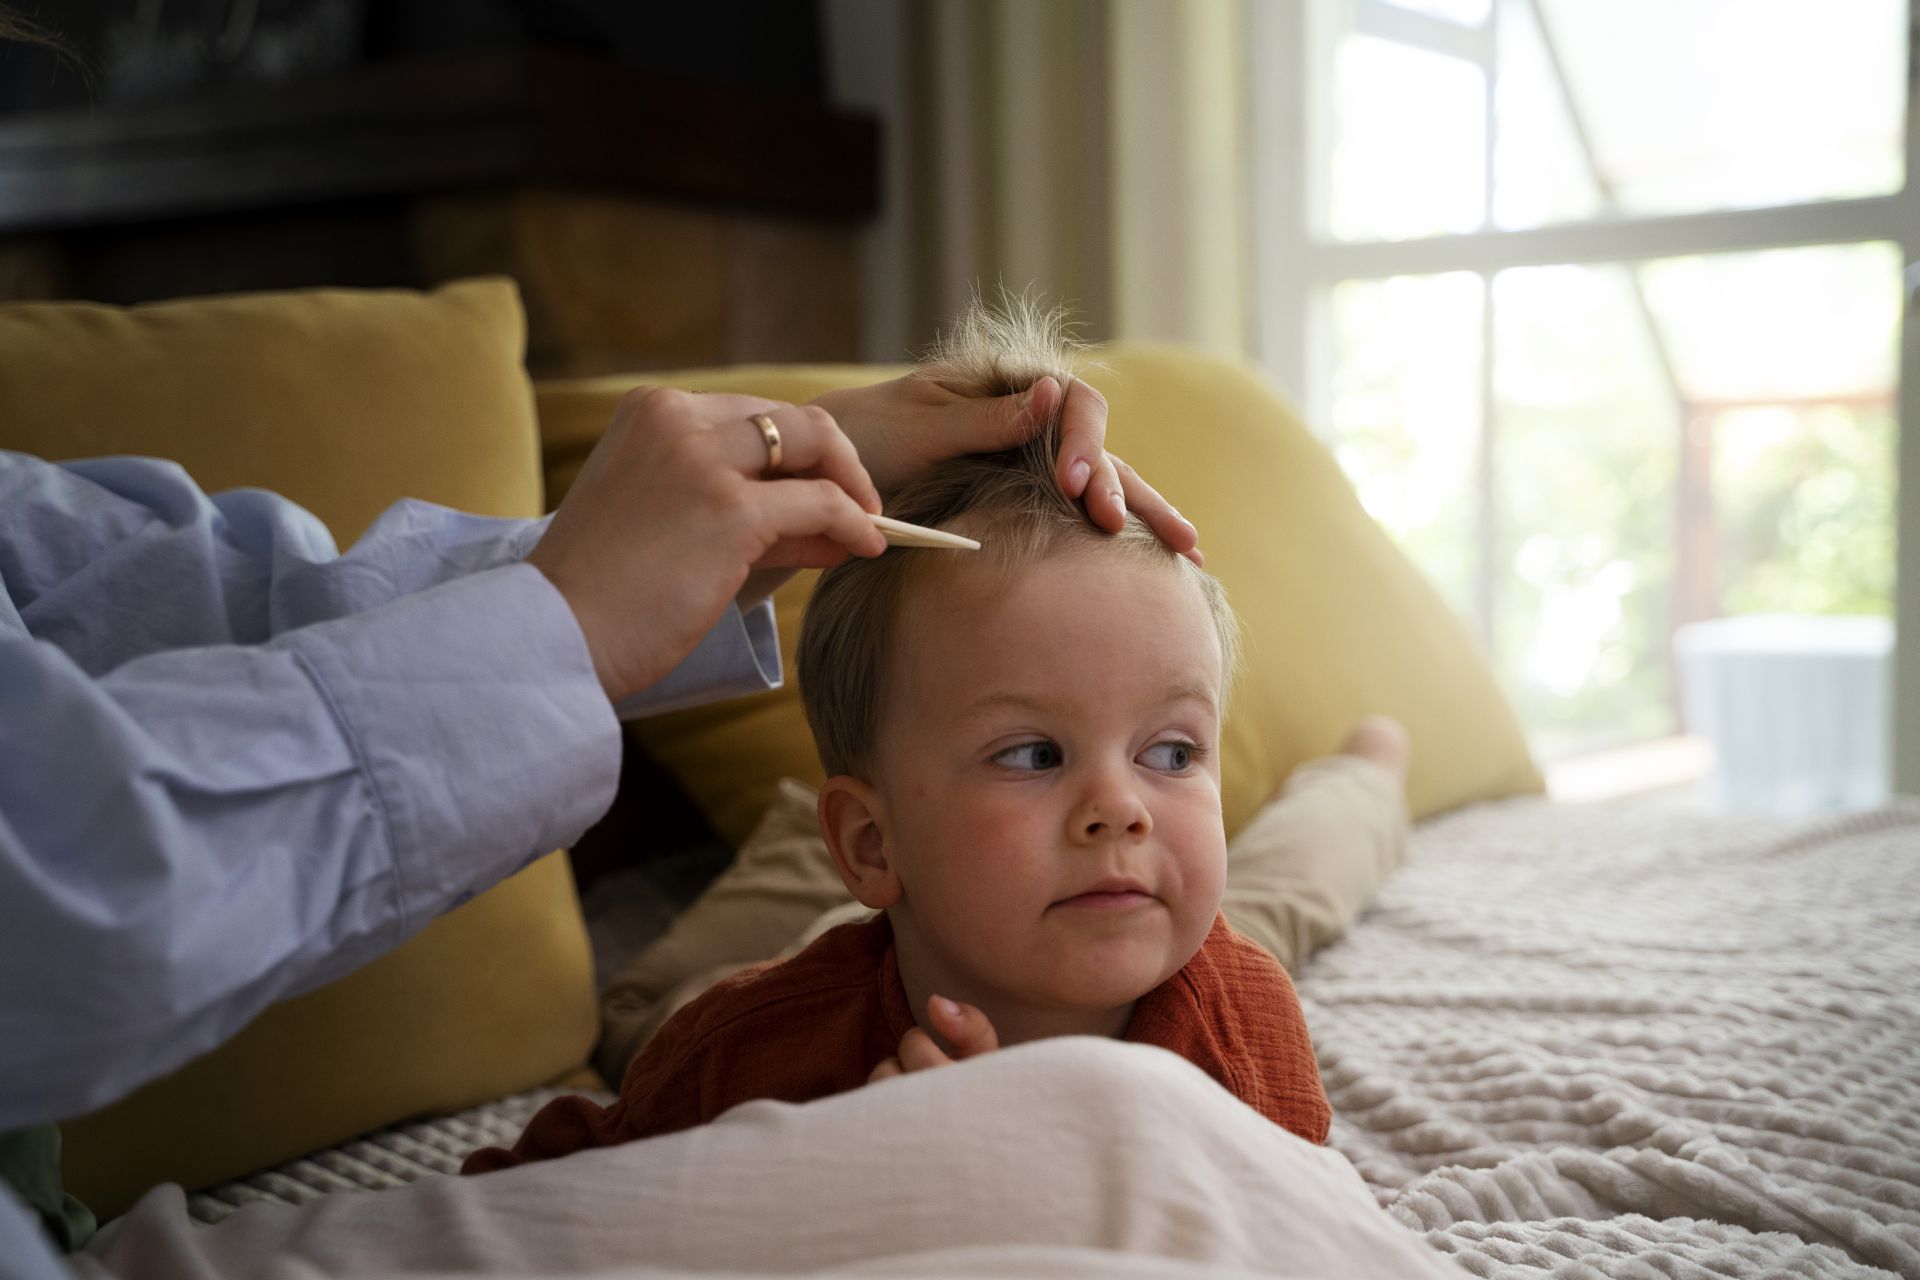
x=651 y=221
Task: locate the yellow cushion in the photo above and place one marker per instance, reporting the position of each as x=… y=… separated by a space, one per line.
x=490 y=999
x=1339 y=624
x=345 y=402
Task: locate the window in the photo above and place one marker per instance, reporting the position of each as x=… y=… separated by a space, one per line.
x=1599 y=306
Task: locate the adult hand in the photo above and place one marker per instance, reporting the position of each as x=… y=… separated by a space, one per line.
x=961 y=1025
x=674 y=510
x=906 y=425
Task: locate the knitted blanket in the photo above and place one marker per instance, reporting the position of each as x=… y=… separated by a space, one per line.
x=1632 y=1041
x=1622 y=1041
x=390 y=1157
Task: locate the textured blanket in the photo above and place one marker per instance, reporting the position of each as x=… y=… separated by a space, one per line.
x=1621 y=1040
x=1631 y=1041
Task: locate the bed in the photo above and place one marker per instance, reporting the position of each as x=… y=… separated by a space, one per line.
x=1619 y=1040
x=1623 y=1039
x=1632 y=1040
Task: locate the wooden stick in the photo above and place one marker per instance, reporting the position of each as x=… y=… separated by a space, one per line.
x=901 y=534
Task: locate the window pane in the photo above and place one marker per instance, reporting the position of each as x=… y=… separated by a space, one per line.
x=1784 y=324
x=1671 y=440
x=1540 y=173
x=1406 y=414
x=1409 y=152
x=1469 y=13
x=1691 y=105
x=1788 y=363
x=1804 y=499
x=1721 y=441
x=1585 y=453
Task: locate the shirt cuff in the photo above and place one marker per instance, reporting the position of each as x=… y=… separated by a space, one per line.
x=740 y=654
x=476 y=715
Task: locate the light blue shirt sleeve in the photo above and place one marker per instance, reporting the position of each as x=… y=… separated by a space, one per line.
x=235 y=764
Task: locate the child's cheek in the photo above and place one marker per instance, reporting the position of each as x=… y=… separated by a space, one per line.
x=1005 y=828
x=1003 y=817
x=1213 y=876
x=1200 y=845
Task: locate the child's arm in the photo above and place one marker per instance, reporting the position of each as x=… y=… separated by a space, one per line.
x=1313 y=858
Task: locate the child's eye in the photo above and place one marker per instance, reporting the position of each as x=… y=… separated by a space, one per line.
x=1030 y=755
x=1174 y=756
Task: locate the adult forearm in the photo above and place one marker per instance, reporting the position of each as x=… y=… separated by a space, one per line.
x=203 y=832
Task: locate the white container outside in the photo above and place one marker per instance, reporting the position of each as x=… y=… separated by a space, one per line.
x=1795 y=709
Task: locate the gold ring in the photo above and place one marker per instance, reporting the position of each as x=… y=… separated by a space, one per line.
x=771 y=435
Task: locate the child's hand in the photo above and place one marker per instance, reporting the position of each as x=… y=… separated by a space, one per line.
x=963 y=1026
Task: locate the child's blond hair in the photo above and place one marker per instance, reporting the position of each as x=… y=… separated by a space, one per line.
x=1009 y=501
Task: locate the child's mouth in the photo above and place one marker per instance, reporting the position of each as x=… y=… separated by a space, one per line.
x=1114 y=895
x=1107 y=901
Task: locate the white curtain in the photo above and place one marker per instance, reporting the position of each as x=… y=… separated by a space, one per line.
x=1093 y=150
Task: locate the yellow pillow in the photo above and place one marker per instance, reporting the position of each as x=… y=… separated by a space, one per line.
x=345 y=402
x=1339 y=624
x=490 y=999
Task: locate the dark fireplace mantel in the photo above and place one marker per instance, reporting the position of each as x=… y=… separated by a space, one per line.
x=512 y=117
x=651 y=221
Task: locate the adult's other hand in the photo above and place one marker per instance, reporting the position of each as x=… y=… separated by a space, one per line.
x=904 y=426
x=676 y=507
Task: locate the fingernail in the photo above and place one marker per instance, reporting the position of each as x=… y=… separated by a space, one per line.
x=1119 y=500
x=1077 y=475
x=946 y=1006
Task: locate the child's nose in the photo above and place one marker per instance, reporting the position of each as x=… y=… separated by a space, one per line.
x=1110 y=810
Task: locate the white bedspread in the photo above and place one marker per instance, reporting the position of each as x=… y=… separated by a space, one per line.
x=1069 y=1157
x=1629 y=1041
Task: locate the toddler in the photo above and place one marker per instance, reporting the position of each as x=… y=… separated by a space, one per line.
x=1022 y=746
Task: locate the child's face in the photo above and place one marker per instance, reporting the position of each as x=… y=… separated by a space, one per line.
x=1049 y=769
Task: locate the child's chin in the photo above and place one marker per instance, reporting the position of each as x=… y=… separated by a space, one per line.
x=1110 y=987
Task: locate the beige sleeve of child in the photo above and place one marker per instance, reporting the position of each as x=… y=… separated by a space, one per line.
x=1312 y=858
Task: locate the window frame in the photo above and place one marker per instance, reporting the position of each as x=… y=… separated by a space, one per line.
x=1291 y=51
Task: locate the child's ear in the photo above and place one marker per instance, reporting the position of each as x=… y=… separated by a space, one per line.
x=853 y=819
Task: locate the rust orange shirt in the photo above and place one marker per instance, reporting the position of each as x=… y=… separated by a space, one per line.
x=816 y=1024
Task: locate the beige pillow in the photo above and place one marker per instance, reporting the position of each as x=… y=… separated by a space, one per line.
x=775 y=896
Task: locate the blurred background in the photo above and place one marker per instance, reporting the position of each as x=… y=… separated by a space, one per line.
x=1599 y=305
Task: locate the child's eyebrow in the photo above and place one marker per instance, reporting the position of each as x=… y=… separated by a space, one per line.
x=992 y=702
